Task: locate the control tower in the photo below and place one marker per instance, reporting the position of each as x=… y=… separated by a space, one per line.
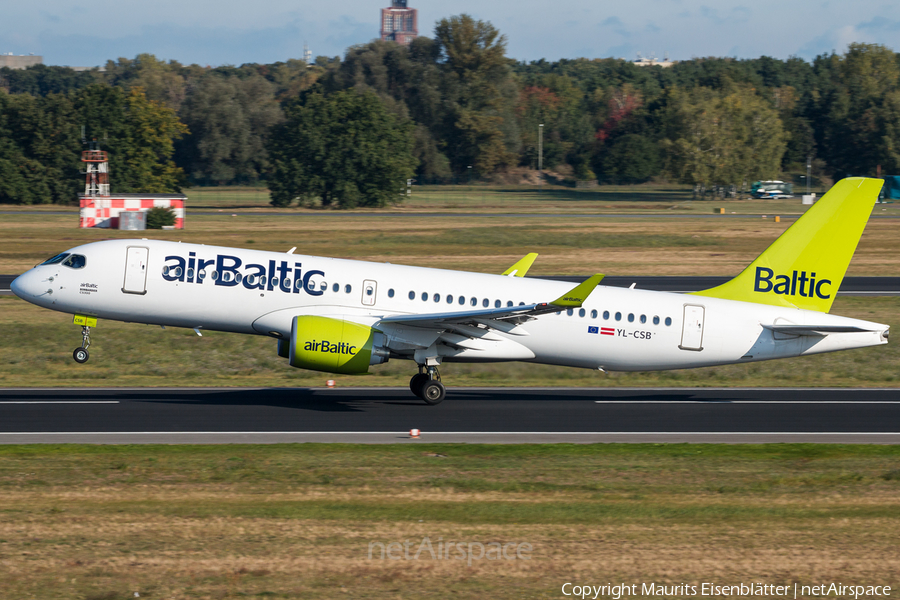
x=399 y=23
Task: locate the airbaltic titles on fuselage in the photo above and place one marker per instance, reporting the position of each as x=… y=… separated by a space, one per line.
x=230 y=271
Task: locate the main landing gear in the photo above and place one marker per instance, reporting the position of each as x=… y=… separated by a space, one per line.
x=426 y=384
x=81 y=353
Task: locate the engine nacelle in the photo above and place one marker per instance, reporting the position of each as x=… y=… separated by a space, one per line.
x=335 y=345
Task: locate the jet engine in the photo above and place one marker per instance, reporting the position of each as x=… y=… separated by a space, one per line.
x=335 y=345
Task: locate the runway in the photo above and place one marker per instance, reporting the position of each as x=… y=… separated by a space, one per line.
x=468 y=415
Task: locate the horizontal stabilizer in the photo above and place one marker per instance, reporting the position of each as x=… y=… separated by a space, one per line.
x=814 y=330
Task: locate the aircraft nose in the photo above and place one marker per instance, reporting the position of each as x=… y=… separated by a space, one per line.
x=27 y=285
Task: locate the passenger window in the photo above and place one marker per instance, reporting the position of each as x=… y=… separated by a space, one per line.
x=570 y=312
x=298 y=284
x=668 y=321
x=593 y=314
x=215 y=275
x=474 y=301
x=618 y=316
x=631 y=317
x=485 y=303
x=521 y=304
x=274 y=281
x=412 y=295
x=462 y=300
x=581 y=312
x=322 y=286
x=190 y=274
x=509 y=303
x=496 y=304
x=391 y=293
x=347 y=288
x=606 y=315
x=370 y=290
x=337 y=287
x=655 y=320
x=436 y=298
x=424 y=296
x=237 y=277
x=201 y=275
x=643 y=318
x=449 y=298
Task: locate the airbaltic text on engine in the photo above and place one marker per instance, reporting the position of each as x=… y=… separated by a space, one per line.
x=253 y=276
x=787 y=285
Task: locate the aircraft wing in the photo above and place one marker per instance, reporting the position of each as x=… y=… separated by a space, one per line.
x=503 y=318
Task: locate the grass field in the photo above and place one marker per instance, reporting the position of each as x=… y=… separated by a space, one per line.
x=288 y=521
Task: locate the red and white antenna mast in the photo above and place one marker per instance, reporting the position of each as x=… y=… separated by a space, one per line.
x=96 y=173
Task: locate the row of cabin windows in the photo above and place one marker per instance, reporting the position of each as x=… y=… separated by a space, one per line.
x=618 y=316
x=449 y=298
x=252 y=279
x=461 y=300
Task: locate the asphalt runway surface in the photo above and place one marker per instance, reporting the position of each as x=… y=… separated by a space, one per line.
x=851 y=286
x=468 y=415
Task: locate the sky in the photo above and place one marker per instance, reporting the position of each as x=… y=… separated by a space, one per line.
x=69 y=32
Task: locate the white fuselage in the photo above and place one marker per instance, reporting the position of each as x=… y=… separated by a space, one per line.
x=156 y=282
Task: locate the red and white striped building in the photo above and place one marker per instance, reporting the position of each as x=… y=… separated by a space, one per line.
x=103 y=211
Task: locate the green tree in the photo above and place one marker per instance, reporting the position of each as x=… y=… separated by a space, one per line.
x=632 y=158
x=39 y=149
x=343 y=149
x=723 y=138
x=230 y=119
x=138 y=133
x=479 y=128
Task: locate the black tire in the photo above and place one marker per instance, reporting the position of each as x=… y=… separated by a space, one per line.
x=416 y=383
x=81 y=355
x=433 y=392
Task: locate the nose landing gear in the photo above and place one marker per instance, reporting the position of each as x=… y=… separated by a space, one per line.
x=426 y=384
x=80 y=354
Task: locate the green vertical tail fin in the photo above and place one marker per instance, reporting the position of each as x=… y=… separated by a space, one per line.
x=805 y=266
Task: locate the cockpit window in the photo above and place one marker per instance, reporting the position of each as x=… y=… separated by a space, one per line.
x=56 y=259
x=76 y=261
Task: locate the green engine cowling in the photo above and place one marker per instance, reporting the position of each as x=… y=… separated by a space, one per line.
x=334 y=345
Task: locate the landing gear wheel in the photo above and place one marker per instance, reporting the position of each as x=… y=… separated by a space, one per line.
x=416 y=383
x=433 y=392
x=81 y=355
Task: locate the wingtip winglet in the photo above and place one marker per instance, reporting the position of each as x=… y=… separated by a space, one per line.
x=522 y=265
x=575 y=297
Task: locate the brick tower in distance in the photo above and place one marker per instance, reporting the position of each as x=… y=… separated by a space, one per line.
x=399 y=23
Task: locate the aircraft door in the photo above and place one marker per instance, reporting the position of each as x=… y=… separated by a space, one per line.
x=692 y=331
x=370 y=289
x=135 y=270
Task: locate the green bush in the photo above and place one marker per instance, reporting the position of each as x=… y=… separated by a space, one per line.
x=159 y=217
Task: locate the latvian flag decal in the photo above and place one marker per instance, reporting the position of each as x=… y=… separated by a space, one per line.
x=607 y=331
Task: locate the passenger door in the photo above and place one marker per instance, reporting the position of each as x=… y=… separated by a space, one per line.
x=135 y=270
x=692 y=328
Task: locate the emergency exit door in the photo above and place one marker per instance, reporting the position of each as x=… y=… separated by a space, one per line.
x=370 y=289
x=692 y=329
x=135 y=270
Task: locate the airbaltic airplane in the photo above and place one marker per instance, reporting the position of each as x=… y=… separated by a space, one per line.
x=342 y=316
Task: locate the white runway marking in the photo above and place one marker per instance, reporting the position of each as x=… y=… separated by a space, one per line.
x=2 y=402
x=746 y=401
x=406 y=433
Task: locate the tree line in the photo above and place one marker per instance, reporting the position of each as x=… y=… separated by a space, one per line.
x=349 y=131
